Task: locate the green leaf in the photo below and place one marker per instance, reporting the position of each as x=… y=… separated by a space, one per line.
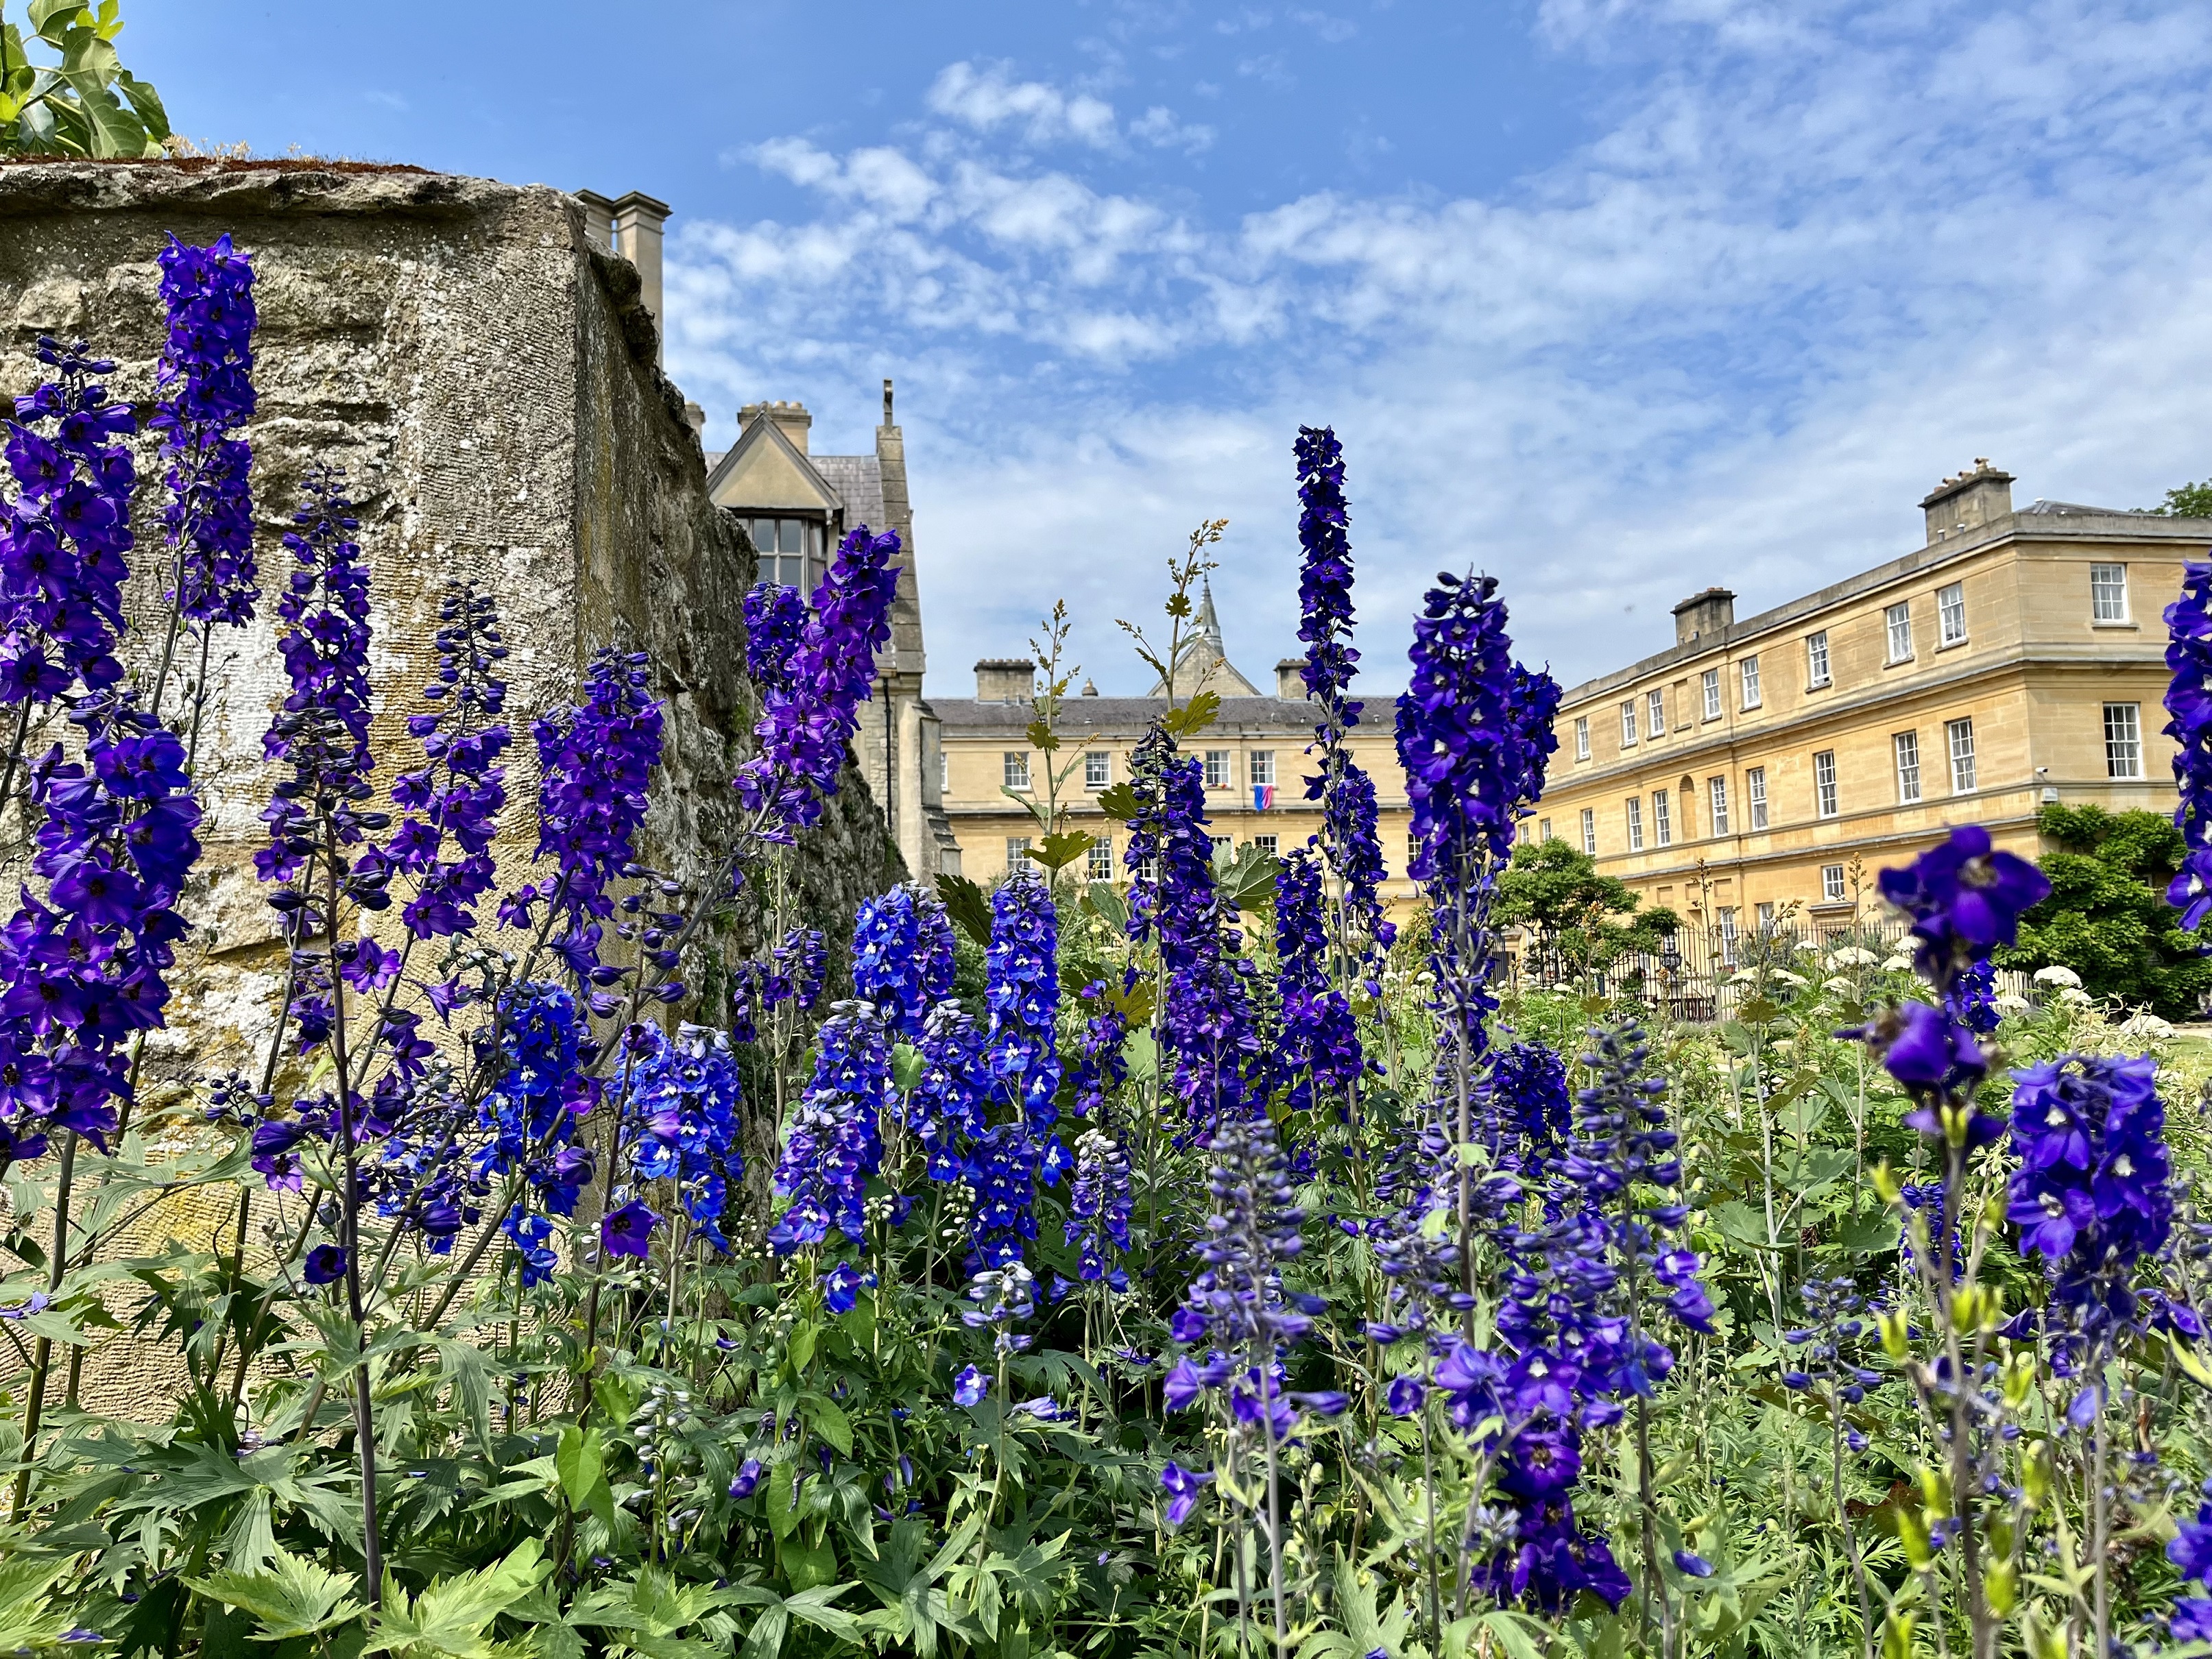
x=807 y=1566
x=829 y=1420
x=907 y=1067
x=965 y=903
x=146 y=103
x=1060 y=849
x=51 y=20
x=581 y=1460
x=1119 y=801
x=291 y=1598
x=1193 y=716
x=1106 y=901
x=451 y=1616
x=1246 y=880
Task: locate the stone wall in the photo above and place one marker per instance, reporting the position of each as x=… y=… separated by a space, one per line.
x=489 y=381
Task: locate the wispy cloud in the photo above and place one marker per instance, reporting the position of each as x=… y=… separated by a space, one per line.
x=1820 y=256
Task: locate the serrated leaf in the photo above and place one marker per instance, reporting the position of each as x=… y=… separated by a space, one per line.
x=1120 y=802
x=1060 y=850
x=1193 y=716
x=1246 y=879
x=451 y=1616
x=1106 y=901
x=291 y=1597
x=965 y=903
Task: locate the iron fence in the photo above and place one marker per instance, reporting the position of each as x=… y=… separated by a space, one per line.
x=1702 y=975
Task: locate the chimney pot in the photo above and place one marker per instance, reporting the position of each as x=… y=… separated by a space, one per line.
x=1967 y=500
x=791 y=417
x=887 y=402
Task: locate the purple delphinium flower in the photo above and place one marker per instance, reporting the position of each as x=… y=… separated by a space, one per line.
x=969 y=1387
x=451 y=805
x=1183 y=1489
x=808 y=718
x=206 y=379
x=324 y=1265
x=2090 y=1195
x=64 y=538
x=596 y=759
x=2191 y=1551
x=1348 y=838
x=775 y=622
x=1528 y=1085
x=1318 y=1052
x=945 y=1107
x=1237 y=1304
x=2189 y=701
x=629 y=1230
x=748 y=1478
x=528 y=1119
x=1005 y=1296
x=1965 y=898
x=833 y=1142
x=1206 y=1022
x=1021 y=1069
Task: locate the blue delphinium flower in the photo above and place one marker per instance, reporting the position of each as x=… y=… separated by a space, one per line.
x=1098 y=1209
x=1529 y=1085
x=833 y=1142
x=945 y=1109
x=529 y=1118
x=206 y=380
x=683 y=1118
x=809 y=715
x=902 y=956
x=2090 y=1195
x=1021 y=995
x=2189 y=701
x=2191 y=1551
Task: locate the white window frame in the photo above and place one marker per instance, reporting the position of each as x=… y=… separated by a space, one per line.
x=944 y=773
x=1904 y=750
x=1582 y=737
x=1663 y=819
x=1635 y=823
x=1016 y=846
x=1543 y=830
x=1015 y=765
x=2123 y=741
x=1655 y=713
x=1259 y=766
x=1710 y=683
x=1817 y=667
x=1897 y=626
x=1959 y=745
x=1098 y=864
x=1589 y=832
x=1763 y=913
x=1825 y=799
x=1716 y=803
x=1267 y=844
x=1754 y=795
x=1628 y=724
x=1747 y=671
x=1832 y=891
x=2108 y=592
x=1725 y=916
x=1219 y=762
x=1098 y=768
x=1950 y=614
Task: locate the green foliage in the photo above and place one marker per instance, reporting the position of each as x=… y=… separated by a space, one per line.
x=2108 y=918
x=2192 y=500
x=1556 y=892
x=86 y=104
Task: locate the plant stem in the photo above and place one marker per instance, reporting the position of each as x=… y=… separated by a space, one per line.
x=43 y=1355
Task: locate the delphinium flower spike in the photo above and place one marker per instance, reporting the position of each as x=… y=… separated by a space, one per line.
x=2189 y=702
x=833 y=1142
x=1022 y=1071
x=206 y=380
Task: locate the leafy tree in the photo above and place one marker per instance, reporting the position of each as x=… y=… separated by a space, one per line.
x=2192 y=500
x=1556 y=892
x=2108 y=918
x=88 y=104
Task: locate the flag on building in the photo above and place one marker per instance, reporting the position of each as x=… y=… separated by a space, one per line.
x=1263 y=797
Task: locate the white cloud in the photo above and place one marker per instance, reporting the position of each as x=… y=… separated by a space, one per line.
x=1820 y=257
x=988 y=98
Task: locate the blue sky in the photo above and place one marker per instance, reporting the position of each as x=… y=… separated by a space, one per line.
x=1612 y=298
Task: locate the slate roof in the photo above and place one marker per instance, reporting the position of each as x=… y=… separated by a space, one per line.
x=859 y=482
x=1115 y=715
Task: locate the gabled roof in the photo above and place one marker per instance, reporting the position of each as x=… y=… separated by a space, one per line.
x=765 y=469
x=859 y=482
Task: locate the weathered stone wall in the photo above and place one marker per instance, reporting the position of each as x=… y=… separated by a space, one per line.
x=488 y=382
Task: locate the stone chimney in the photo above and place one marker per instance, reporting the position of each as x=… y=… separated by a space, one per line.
x=1005 y=679
x=599 y=220
x=638 y=219
x=696 y=418
x=1291 y=679
x=1967 y=500
x=1703 y=615
x=792 y=418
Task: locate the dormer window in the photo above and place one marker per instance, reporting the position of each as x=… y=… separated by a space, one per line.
x=790 y=551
